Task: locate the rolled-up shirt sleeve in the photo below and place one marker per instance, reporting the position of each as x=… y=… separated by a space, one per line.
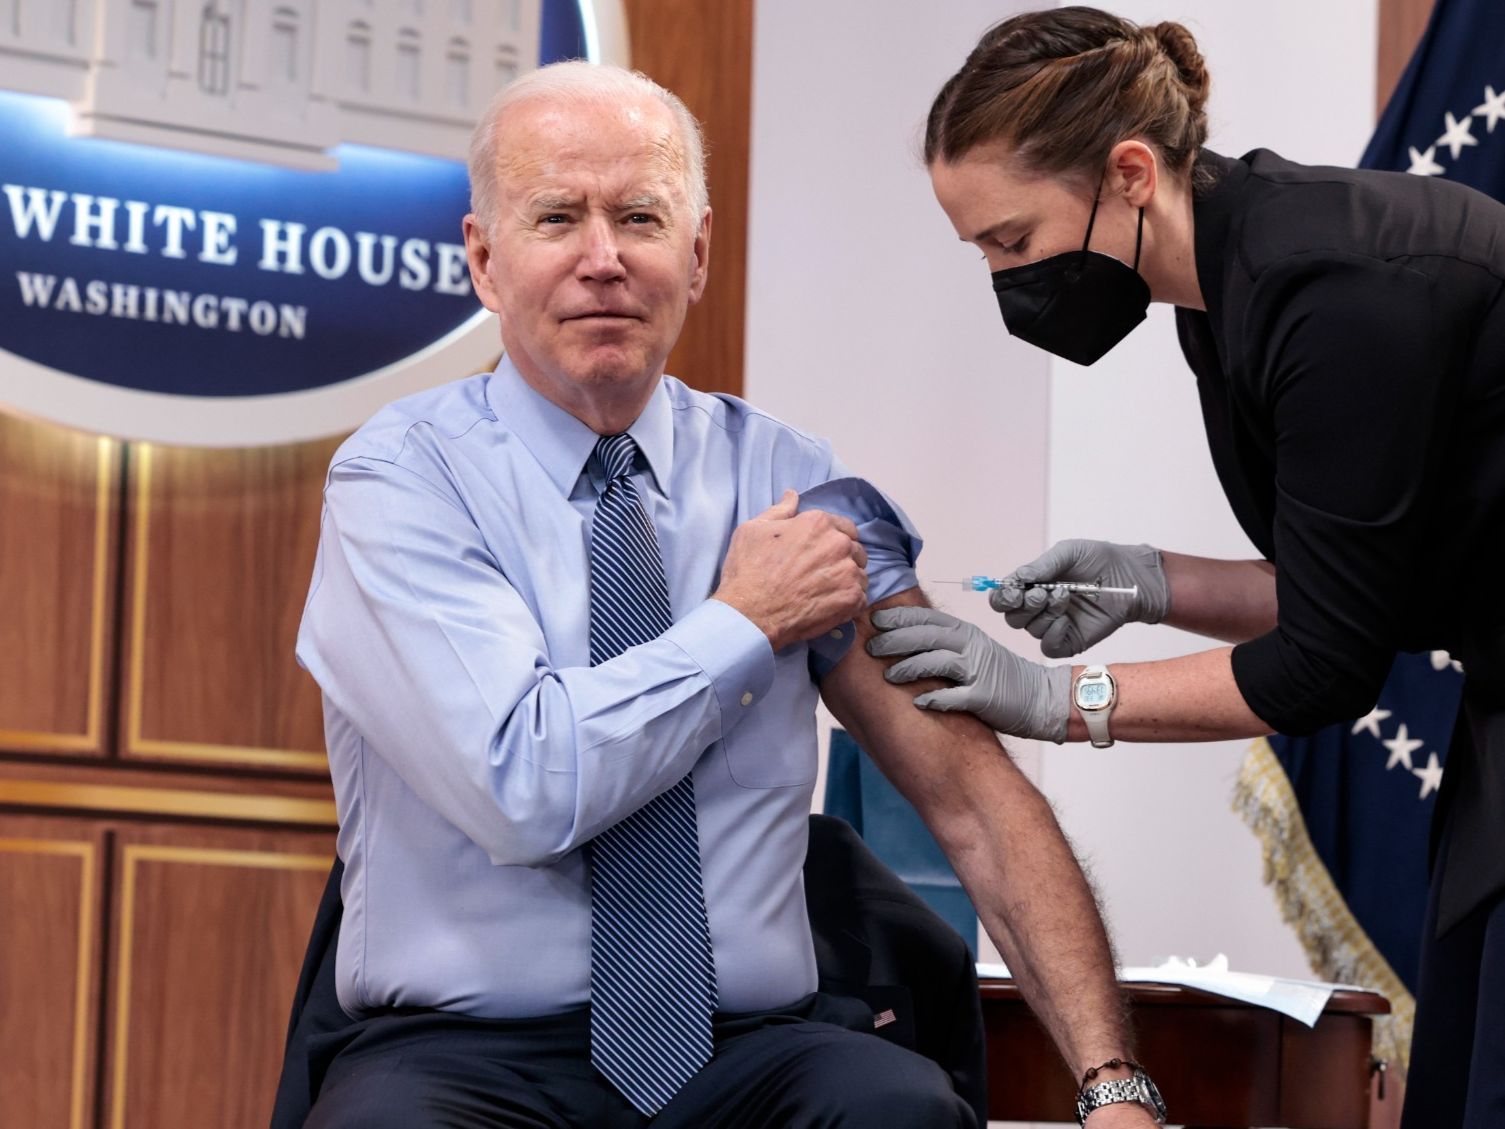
x=1353 y=378
x=416 y=636
x=889 y=538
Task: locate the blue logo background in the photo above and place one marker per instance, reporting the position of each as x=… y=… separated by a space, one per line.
x=352 y=328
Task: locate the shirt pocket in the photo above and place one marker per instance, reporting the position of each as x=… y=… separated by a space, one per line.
x=775 y=747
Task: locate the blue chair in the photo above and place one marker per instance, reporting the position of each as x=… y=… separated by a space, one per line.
x=860 y=794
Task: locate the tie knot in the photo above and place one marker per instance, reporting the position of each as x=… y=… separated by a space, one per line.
x=616 y=454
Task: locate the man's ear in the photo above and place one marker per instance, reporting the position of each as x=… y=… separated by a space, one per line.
x=478 y=256
x=700 y=258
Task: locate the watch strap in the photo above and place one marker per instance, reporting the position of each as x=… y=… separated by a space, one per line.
x=1136 y=1088
x=1097 y=727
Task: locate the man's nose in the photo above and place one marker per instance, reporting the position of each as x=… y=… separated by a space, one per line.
x=600 y=260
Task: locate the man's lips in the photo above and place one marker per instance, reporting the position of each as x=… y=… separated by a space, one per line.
x=591 y=315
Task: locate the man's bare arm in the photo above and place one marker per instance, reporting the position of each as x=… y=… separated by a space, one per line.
x=1003 y=840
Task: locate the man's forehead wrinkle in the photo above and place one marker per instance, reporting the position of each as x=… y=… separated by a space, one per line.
x=561 y=183
x=667 y=149
x=563 y=153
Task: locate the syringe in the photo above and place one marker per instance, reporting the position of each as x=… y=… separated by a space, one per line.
x=1079 y=587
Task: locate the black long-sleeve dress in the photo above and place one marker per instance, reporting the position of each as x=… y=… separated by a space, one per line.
x=1351 y=366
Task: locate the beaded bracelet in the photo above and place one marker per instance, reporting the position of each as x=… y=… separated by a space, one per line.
x=1111 y=1064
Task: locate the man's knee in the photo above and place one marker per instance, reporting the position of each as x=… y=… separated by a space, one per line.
x=869 y=1081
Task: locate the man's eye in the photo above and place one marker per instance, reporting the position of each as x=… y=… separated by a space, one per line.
x=642 y=218
x=555 y=218
x=1015 y=248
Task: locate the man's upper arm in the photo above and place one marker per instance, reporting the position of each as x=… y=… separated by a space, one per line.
x=937 y=760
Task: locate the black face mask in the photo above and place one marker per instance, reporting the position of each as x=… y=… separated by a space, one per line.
x=1078 y=304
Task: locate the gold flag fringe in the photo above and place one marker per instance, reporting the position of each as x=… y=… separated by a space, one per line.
x=1336 y=945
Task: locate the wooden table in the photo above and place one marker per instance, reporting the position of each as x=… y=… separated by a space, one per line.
x=1220 y=1064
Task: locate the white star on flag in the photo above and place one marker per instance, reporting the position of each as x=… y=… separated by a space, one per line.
x=1459 y=134
x=1401 y=747
x=1430 y=777
x=1492 y=109
x=1371 y=721
x=1422 y=164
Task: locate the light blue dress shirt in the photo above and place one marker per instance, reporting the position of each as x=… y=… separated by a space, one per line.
x=473 y=747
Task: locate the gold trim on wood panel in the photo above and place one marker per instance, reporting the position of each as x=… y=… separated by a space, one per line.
x=86 y=853
x=168 y=801
x=25 y=740
x=269 y=860
x=202 y=751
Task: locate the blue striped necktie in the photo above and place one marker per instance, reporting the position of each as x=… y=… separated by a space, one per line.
x=653 y=979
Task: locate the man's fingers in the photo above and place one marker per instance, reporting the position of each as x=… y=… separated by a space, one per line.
x=840 y=522
x=931 y=664
x=844 y=524
x=859 y=554
x=785 y=507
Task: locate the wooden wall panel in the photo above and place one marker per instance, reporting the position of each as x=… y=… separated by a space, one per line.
x=1401 y=24
x=57 y=586
x=157 y=792
x=50 y=884
x=703 y=52
x=208 y=932
x=221 y=548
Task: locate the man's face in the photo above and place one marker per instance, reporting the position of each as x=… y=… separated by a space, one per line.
x=596 y=257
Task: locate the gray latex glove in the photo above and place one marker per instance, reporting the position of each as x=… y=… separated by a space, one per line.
x=1012 y=694
x=1067 y=623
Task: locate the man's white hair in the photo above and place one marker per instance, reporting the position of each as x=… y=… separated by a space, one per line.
x=579 y=82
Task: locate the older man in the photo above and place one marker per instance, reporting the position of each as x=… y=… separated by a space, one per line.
x=570 y=628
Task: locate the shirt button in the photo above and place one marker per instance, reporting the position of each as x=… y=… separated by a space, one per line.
x=837 y=634
x=747 y=699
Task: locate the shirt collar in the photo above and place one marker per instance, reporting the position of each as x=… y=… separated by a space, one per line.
x=561 y=443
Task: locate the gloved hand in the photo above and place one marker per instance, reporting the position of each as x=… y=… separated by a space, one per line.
x=1067 y=623
x=1010 y=693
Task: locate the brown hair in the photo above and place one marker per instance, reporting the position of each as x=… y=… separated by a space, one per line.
x=1062 y=87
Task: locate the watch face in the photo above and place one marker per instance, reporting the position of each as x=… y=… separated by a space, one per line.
x=1093 y=695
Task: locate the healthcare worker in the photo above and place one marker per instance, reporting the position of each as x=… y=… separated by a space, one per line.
x=1347 y=333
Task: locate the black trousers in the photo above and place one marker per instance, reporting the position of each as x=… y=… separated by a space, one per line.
x=815 y=1064
x=1457 y=1074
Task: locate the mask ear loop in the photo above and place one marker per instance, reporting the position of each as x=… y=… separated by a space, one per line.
x=1092 y=217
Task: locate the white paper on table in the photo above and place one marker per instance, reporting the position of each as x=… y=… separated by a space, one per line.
x=1302 y=1000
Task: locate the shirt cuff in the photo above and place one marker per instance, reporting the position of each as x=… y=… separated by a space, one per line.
x=733 y=652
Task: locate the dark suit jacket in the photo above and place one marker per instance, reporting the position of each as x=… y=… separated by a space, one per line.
x=874 y=940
